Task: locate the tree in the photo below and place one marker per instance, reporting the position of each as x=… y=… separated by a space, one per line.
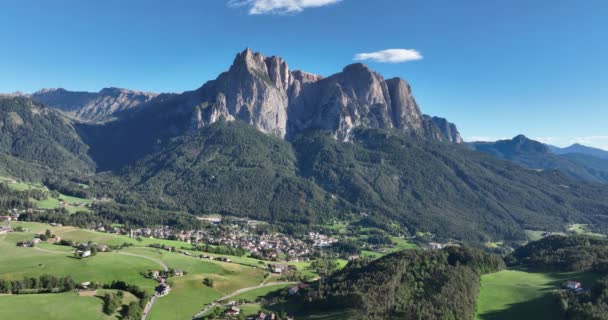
x=111 y=302
x=208 y=282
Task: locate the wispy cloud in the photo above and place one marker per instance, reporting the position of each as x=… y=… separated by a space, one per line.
x=390 y=56
x=279 y=6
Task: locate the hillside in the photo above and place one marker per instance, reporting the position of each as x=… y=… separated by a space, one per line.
x=35 y=140
x=416 y=284
x=264 y=93
x=396 y=178
x=232 y=169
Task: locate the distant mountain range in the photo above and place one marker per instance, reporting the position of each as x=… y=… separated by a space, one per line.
x=92 y=106
x=580 y=149
x=285 y=146
x=577 y=161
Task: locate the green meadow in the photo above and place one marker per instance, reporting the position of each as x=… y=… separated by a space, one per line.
x=65 y=306
x=188 y=295
x=523 y=295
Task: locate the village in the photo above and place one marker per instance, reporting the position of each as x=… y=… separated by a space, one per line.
x=238 y=237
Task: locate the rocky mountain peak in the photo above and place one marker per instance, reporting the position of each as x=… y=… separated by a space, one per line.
x=263 y=92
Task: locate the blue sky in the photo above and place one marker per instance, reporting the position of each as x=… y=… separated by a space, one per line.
x=495 y=68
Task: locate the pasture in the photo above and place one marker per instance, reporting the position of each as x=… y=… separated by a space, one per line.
x=523 y=295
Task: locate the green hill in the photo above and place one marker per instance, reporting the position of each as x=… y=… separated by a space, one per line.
x=36 y=140
x=412 y=284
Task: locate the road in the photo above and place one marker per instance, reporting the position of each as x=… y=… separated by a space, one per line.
x=160 y=263
x=236 y=293
x=155 y=296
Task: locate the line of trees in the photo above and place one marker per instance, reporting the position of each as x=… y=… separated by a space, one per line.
x=41 y=284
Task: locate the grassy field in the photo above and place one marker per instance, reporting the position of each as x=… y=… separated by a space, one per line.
x=50 y=202
x=188 y=294
x=583 y=229
x=534 y=235
x=17 y=263
x=522 y=295
x=260 y=292
x=65 y=306
x=69 y=305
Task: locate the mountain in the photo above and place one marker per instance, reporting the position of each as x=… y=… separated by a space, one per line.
x=536 y=155
x=92 y=106
x=291 y=147
x=581 y=149
x=398 y=179
x=448 y=129
x=35 y=139
x=265 y=94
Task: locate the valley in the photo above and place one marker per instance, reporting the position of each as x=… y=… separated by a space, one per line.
x=270 y=193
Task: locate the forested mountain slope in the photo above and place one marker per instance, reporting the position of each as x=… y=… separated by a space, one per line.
x=36 y=139
x=396 y=178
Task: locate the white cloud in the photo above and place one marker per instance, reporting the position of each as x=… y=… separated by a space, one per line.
x=390 y=56
x=279 y=6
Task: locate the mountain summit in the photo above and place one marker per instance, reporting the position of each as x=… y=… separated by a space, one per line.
x=265 y=93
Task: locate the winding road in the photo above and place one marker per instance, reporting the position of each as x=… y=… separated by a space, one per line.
x=160 y=263
x=236 y=293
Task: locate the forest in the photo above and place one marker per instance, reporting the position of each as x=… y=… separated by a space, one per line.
x=412 y=284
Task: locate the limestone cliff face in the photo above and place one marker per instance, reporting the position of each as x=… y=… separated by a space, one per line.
x=254 y=91
x=447 y=129
x=92 y=106
x=266 y=94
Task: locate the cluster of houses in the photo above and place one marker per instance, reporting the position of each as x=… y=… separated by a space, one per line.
x=321 y=240
x=280 y=268
x=13 y=215
x=85 y=250
x=273 y=246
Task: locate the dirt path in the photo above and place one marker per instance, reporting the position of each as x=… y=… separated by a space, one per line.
x=160 y=263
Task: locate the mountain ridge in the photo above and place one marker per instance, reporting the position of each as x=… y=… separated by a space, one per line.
x=92 y=106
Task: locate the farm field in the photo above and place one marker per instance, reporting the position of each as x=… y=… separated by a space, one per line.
x=522 y=295
x=66 y=306
x=51 y=202
x=17 y=263
x=188 y=294
x=261 y=292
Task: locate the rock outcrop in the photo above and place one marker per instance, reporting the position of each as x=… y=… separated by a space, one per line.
x=264 y=93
